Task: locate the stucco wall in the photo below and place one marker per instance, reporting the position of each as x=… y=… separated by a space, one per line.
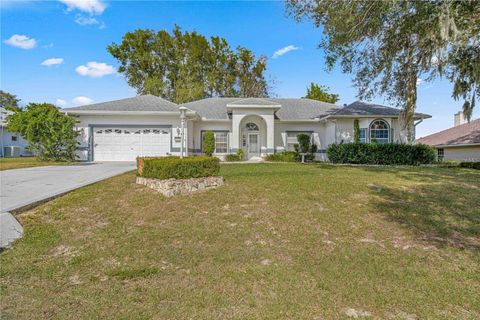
x=195 y=140
x=462 y=153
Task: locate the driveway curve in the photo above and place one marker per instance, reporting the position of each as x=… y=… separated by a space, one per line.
x=24 y=187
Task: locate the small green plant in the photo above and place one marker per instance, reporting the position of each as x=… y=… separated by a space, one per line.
x=240 y=154
x=286 y=156
x=303 y=143
x=208 y=143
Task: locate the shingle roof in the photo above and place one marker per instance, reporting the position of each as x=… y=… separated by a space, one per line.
x=254 y=101
x=468 y=133
x=292 y=109
x=139 y=103
x=359 y=108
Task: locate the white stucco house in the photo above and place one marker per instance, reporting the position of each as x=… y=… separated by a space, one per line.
x=151 y=126
x=11 y=140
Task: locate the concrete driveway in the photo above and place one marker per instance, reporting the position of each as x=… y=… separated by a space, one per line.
x=22 y=187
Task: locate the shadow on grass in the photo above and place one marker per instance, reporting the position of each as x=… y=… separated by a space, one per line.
x=442 y=212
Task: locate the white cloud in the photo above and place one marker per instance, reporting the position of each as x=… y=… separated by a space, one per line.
x=86 y=21
x=21 y=41
x=95 y=69
x=419 y=81
x=60 y=103
x=81 y=100
x=52 y=62
x=284 y=50
x=90 y=6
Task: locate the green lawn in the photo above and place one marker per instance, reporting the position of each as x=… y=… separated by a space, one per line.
x=278 y=241
x=26 y=162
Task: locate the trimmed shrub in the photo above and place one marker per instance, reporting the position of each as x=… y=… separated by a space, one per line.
x=383 y=154
x=286 y=156
x=470 y=165
x=303 y=143
x=232 y=157
x=174 y=167
x=208 y=143
x=235 y=157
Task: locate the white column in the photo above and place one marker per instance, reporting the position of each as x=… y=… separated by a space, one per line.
x=269 y=119
x=235 y=137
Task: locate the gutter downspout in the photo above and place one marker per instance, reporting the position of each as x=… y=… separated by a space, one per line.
x=415 y=128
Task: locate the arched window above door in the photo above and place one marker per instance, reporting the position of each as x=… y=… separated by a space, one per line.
x=251 y=126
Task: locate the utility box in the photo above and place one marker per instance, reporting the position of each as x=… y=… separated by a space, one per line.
x=11 y=152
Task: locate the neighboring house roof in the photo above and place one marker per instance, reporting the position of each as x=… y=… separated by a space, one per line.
x=139 y=103
x=291 y=109
x=359 y=108
x=468 y=133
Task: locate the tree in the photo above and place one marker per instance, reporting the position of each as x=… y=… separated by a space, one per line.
x=389 y=45
x=50 y=134
x=8 y=100
x=208 y=143
x=186 y=66
x=320 y=93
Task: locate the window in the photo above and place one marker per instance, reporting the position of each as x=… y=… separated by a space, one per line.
x=363 y=135
x=108 y=131
x=251 y=126
x=118 y=131
x=221 y=142
x=126 y=131
x=14 y=138
x=99 y=132
x=146 y=131
x=440 y=154
x=156 y=131
x=379 y=131
x=292 y=139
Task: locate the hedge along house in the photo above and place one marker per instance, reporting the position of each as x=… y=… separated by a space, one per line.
x=148 y=125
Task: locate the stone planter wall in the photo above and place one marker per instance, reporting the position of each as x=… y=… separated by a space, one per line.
x=172 y=187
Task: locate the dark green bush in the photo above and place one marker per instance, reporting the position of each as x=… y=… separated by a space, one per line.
x=208 y=143
x=470 y=165
x=174 y=167
x=384 y=154
x=286 y=156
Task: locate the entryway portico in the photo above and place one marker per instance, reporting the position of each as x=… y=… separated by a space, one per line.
x=253 y=126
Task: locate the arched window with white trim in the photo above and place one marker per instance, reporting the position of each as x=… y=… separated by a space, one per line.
x=379 y=131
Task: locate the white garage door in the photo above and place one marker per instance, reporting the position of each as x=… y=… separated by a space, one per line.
x=126 y=144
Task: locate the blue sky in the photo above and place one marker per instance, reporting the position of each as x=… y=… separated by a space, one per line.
x=55 y=51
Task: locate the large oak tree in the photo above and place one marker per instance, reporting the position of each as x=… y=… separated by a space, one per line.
x=186 y=66
x=389 y=45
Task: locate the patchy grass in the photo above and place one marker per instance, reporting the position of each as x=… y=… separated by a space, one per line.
x=277 y=241
x=26 y=162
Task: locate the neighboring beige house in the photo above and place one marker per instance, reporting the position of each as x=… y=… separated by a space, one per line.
x=151 y=126
x=460 y=143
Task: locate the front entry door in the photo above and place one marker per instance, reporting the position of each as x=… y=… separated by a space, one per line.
x=253 y=146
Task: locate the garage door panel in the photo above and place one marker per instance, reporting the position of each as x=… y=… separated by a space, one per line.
x=125 y=144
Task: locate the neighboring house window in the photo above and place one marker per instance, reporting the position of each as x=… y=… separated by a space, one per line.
x=379 y=131
x=14 y=138
x=440 y=154
x=363 y=135
x=292 y=139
